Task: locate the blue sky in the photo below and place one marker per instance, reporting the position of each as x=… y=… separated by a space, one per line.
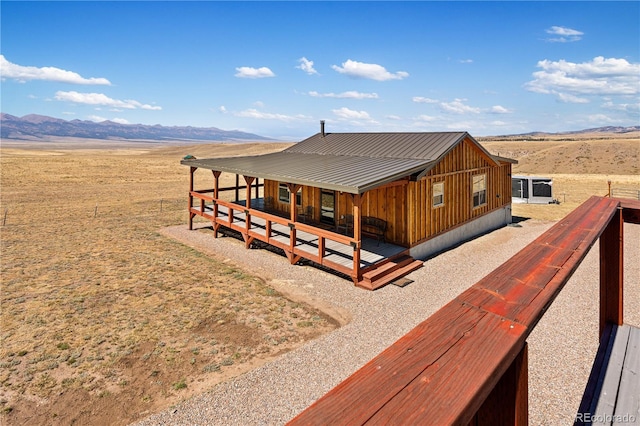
x=278 y=68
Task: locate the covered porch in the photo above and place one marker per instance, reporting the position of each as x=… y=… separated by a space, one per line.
x=370 y=262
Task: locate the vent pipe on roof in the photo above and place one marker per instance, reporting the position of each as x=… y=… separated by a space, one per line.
x=322 y=127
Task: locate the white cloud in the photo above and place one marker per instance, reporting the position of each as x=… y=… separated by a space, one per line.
x=564 y=34
x=24 y=74
x=498 y=109
x=393 y=117
x=601 y=76
x=120 y=121
x=369 y=71
x=458 y=107
x=222 y=109
x=249 y=72
x=345 y=95
x=572 y=99
x=423 y=100
x=466 y=61
x=602 y=119
x=96 y=118
x=632 y=108
x=351 y=114
x=254 y=113
x=306 y=66
x=426 y=118
x=102 y=99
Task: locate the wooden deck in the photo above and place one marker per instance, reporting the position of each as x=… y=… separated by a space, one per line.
x=467 y=363
x=612 y=395
x=369 y=262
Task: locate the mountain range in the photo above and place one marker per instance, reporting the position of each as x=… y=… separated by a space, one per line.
x=35 y=127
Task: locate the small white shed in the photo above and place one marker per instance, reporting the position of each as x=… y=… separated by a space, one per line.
x=532 y=190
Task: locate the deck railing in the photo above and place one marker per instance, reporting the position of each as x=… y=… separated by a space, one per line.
x=468 y=362
x=249 y=231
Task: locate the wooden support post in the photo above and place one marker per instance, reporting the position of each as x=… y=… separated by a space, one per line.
x=293 y=190
x=216 y=194
x=248 y=180
x=611 y=272
x=508 y=403
x=257 y=188
x=357 y=235
x=247 y=212
x=237 y=187
x=192 y=170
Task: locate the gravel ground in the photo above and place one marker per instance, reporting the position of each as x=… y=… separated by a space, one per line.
x=561 y=348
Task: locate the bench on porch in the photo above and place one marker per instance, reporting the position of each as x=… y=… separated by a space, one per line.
x=374 y=227
x=370 y=226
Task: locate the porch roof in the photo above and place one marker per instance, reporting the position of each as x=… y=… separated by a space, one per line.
x=352 y=174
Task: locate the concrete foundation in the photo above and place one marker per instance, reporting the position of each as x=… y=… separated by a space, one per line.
x=481 y=225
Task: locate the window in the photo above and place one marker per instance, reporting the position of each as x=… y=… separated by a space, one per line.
x=283 y=194
x=541 y=187
x=438 y=194
x=479 y=190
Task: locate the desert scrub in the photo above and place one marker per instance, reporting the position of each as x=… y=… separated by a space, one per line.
x=181 y=384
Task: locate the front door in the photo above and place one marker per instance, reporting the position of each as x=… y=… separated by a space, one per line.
x=327 y=207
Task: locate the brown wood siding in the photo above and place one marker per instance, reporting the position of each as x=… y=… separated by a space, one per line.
x=408 y=209
x=456 y=170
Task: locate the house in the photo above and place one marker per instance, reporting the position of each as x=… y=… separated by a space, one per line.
x=366 y=205
x=532 y=190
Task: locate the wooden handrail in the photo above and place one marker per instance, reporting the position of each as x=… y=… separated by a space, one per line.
x=467 y=363
x=321 y=233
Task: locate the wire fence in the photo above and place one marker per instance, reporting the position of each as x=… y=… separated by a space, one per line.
x=25 y=213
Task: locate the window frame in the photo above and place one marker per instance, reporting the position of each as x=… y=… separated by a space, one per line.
x=481 y=196
x=287 y=199
x=440 y=195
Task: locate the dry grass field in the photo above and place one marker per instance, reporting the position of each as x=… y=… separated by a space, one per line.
x=104 y=320
x=580 y=165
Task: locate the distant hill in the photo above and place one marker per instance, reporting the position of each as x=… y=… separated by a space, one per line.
x=34 y=127
x=606 y=129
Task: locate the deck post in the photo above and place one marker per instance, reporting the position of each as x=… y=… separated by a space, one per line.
x=248 y=180
x=237 y=187
x=192 y=170
x=357 y=235
x=216 y=194
x=611 y=272
x=293 y=190
x=257 y=188
x=508 y=403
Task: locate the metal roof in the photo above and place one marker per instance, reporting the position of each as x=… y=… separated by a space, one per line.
x=347 y=162
x=424 y=146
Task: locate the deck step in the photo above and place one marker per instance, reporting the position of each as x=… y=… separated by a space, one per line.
x=389 y=272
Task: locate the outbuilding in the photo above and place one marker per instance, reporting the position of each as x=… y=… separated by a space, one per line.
x=532 y=190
